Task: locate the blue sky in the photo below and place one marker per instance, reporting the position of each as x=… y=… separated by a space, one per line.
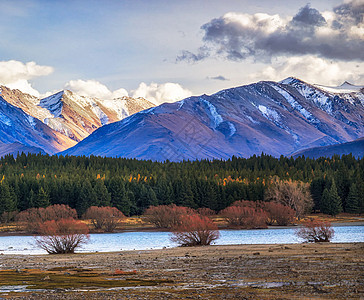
x=96 y=47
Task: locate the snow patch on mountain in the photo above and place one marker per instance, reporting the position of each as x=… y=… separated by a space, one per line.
x=31 y=120
x=251 y=119
x=100 y=114
x=180 y=104
x=269 y=113
x=294 y=103
x=215 y=117
x=5 y=120
x=320 y=98
x=232 y=128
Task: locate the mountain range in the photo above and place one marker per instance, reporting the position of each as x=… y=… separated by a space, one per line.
x=277 y=118
x=66 y=116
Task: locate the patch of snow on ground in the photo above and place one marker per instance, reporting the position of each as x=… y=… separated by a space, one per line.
x=5 y=120
x=100 y=114
x=232 y=128
x=320 y=99
x=216 y=118
x=118 y=106
x=180 y=104
x=251 y=119
x=294 y=103
x=31 y=120
x=269 y=113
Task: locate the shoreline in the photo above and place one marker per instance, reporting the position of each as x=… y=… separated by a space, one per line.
x=154 y=229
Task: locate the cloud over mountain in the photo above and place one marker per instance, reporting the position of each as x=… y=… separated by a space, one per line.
x=16 y=75
x=337 y=34
x=160 y=93
x=93 y=88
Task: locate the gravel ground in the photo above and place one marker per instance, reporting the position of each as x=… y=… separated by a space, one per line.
x=294 y=271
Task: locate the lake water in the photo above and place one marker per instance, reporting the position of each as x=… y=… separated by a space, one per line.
x=157 y=240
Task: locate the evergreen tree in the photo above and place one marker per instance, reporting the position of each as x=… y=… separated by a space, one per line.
x=31 y=199
x=353 y=201
x=86 y=198
x=119 y=198
x=42 y=198
x=102 y=195
x=7 y=203
x=330 y=201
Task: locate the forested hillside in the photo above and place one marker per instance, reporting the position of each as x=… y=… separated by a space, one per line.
x=36 y=180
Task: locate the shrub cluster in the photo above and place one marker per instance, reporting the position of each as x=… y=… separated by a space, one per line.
x=104 y=218
x=251 y=214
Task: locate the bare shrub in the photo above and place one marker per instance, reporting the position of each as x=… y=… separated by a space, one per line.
x=32 y=218
x=167 y=216
x=314 y=231
x=294 y=194
x=279 y=214
x=62 y=236
x=195 y=230
x=104 y=218
x=245 y=217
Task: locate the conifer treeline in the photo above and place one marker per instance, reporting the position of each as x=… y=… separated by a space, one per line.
x=36 y=180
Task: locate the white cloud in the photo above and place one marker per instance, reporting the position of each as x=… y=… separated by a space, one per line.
x=93 y=88
x=312 y=69
x=160 y=93
x=16 y=74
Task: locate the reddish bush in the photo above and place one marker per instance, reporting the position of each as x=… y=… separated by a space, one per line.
x=245 y=217
x=314 y=231
x=167 y=216
x=279 y=214
x=32 y=218
x=195 y=230
x=205 y=211
x=104 y=218
x=62 y=236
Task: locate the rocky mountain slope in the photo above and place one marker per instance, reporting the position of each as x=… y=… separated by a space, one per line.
x=277 y=118
x=72 y=115
x=22 y=132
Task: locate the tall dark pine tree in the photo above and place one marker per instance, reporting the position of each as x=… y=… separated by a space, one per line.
x=119 y=198
x=353 y=201
x=87 y=198
x=42 y=198
x=7 y=203
x=330 y=201
x=102 y=194
x=343 y=183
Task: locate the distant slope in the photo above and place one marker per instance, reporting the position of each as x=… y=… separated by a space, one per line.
x=356 y=148
x=72 y=115
x=15 y=148
x=276 y=118
x=18 y=127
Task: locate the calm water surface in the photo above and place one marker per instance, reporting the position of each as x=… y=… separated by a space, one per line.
x=157 y=240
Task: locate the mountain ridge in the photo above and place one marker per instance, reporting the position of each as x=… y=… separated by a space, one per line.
x=277 y=118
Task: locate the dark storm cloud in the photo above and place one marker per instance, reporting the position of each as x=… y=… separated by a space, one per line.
x=309 y=16
x=234 y=40
x=352 y=12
